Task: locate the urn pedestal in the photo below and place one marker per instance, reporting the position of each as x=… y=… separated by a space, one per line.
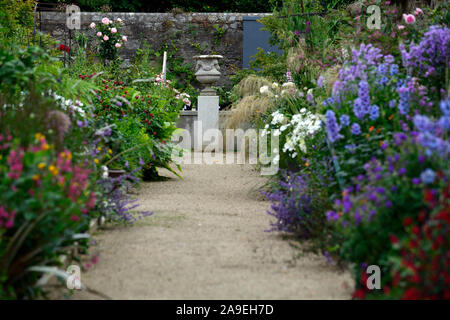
x=207 y=126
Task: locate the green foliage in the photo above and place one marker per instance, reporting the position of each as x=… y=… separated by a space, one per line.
x=16 y=19
x=167 y=5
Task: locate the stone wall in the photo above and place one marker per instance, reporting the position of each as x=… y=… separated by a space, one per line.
x=190 y=33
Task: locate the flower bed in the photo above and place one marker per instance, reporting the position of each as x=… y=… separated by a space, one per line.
x=365 y=144
x=61 y=133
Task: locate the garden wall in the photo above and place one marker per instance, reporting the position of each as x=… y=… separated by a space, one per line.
x=189 y=33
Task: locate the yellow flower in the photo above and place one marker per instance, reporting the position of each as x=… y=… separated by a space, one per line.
x=96 y=161
x=53 y=170
x=45 y=146
x=36 y=177
x=1 y=157
x=39 y=136
x=99 y=148
x=110 y=151
x=69 y=155
x=41 y=165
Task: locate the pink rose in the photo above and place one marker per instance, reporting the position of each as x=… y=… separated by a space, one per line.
x=418 y=11
x=92 y=25
x=124 y=38
x=409 y=18
x=99 y=34
x=113 y=30
x=401 y=27
x=118 y=45
x=105 y=38
x=105 y=21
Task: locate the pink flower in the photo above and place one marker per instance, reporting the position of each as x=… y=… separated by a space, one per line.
x=113 y=30
x=418 y=11
x=400 y=27
x=99 y=34
x=75 y=218
x=7 y=219
x=124 y=38
x=92 y=25
x=118 y=45
x=105 y=38
x=409 y=18
x=105 y=21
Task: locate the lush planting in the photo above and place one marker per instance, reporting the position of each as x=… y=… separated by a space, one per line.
x=364 y=139
x=73 y=141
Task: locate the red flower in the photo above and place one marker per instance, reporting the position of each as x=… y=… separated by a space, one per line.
x=393 y=239
x=407 y=221
x=411 y=294
x=359 y=294
x=415 y=230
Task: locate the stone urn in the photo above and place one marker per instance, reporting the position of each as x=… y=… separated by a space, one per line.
x=207 y=72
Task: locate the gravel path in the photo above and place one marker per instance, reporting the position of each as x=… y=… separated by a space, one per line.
x=206 y=240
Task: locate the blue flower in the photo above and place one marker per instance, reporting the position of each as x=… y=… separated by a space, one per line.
x=392 y=103
x=320 y=82
x=445 y=107
x=403 y=106
x=393 y=70
x=345 y=120
x=423 y=123
x=358 y=109
x=351 y=148
x=374 y=112
x=332 y=126
x=428 y=176
x=364 y=95
x=331 y=215
x=382 y=69
x=356 y=129
x=444 y=123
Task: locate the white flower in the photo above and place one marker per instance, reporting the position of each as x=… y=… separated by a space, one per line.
x=275 y=85
x=92 y=25
x=276 y=132
x=119 y=20
x=264 y=89
x=288 y=85
x=104 y=172
x=124 y=38
x=277 y=118
x=276 y=159
x=113 y=30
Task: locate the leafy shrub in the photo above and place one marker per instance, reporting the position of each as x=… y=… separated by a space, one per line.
x=109 y=38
